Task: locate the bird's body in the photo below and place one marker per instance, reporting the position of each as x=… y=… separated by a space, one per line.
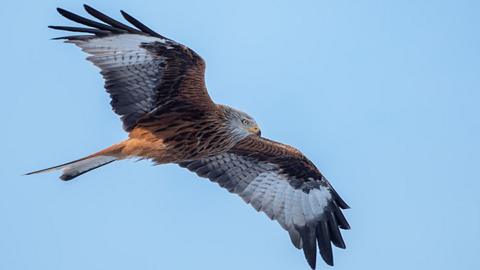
x=170 y=139
x=157 y=87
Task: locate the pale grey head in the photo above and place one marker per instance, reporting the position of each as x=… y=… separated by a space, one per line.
x=241 y=124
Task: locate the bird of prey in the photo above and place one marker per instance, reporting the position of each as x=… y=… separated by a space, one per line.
x=157 y=87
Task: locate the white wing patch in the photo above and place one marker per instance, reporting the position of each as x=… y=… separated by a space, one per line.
x=117 y=51
x=271 y=193
x=117 y=43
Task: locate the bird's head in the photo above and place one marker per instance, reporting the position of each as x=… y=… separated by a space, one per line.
x=241 y=122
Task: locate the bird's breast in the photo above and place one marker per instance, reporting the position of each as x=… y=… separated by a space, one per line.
x=176 y=141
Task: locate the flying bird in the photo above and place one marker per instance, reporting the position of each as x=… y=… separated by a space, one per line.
x=157 y=87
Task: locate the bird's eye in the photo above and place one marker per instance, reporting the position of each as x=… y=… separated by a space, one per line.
x=245 y=121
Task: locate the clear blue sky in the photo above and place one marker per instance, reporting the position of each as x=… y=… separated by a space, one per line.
x=382 y=95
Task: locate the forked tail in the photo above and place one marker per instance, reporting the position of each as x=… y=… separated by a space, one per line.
x=78 y=167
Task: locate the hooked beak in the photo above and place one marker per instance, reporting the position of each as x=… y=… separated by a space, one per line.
x=255 y=130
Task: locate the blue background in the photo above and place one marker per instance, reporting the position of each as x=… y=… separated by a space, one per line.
x=382 y=95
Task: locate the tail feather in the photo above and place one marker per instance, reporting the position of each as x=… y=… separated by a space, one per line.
x=78 y=167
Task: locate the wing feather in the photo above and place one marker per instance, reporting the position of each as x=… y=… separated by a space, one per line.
x=146 y=74
x=79 y=19
x=106 y=19
x=140 y=25
x=279 y=181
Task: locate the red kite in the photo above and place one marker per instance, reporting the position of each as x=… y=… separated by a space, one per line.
x=157 y=87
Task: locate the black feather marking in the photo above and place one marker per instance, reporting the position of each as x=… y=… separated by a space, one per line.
x=106 y=19
x=309 y=245
x=340 y=202
x=79 y=19
x=340 y=218
x=80 y=29
x=70 y=176
x=140 y=25
x=323 y=239
x=77 y=37
x=334 y=231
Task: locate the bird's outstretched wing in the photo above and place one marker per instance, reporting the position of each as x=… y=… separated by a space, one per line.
x=281 y=182
x=145 y=73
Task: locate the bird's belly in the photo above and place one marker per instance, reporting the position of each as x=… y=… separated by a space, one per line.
x=175 y=144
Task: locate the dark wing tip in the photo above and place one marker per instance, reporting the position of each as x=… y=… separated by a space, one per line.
x=338 y=200
x=140 y=25
x=97 y=32
x=309 y=245
x=109 y=20
x=108 y=24
x=124 y=13
x=340 y=218
x=82 y=20
x=65 y=13
x=89 y=9
x=325 y=233
x=334 y=231
x=323 y=239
